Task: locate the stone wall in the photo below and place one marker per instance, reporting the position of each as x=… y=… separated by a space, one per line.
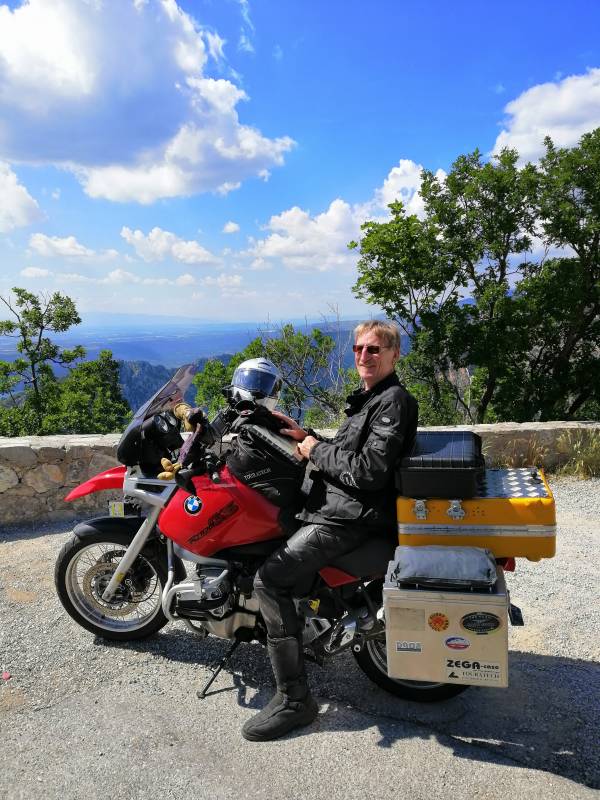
x=36 y=472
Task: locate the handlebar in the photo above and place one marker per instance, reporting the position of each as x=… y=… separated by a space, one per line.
x=208 y=465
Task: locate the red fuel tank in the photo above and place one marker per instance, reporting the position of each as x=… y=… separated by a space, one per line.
x=220 y=515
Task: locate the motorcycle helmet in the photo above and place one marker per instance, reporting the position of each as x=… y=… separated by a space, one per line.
x=256 y=380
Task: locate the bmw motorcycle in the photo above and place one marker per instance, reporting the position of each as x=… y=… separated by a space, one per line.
x=189 y=548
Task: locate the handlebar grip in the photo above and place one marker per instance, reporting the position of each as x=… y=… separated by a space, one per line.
x=183 y=479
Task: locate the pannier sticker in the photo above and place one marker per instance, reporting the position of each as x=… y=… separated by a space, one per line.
x=457 y=643
x=472 y=670
x=409 y=647
x=438 y=621
x=481 y=623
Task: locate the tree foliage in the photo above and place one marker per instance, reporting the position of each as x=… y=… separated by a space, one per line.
x=315 y=383
x=33 y=400
x=497 y=286
x=88 y=399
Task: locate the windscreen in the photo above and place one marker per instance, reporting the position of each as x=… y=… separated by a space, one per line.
x=171 y=393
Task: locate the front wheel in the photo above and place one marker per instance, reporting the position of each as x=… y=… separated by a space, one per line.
x=83 y=570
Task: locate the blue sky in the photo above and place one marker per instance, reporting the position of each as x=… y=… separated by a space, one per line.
x=212 y=159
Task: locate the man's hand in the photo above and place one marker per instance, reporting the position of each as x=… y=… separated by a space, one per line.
x=306 y=445
x=293 y=430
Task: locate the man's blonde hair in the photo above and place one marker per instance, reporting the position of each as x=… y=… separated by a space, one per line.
x=386 y=331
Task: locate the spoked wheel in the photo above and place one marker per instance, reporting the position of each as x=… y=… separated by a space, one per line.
x=83 y=570
x=372 y=659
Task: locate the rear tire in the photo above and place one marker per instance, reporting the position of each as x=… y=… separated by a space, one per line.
x=372 y=659
x=82 y=572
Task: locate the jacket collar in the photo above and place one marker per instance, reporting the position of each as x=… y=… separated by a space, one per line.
x=358 y=398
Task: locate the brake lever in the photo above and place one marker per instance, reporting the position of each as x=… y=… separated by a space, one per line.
x=212 y=467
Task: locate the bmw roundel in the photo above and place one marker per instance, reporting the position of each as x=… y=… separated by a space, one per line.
x=192 y=505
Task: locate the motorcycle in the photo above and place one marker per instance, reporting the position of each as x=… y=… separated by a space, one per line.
x=189 y=548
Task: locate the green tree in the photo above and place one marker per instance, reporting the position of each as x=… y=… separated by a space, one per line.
x=88 y=399
x=495 y=333
x=217 y=375
x=32 y=318
x=315 y=384
x=32 y=399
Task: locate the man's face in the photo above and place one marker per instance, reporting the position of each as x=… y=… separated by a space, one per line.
x=373 y=367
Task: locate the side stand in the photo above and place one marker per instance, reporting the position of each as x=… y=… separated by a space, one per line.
x=201 y=693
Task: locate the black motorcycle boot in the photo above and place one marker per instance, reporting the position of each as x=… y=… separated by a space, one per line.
x=293 y=705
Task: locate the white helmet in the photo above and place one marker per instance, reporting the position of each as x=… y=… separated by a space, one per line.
x=258 y=380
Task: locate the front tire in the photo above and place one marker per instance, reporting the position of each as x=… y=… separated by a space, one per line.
x=83 y=570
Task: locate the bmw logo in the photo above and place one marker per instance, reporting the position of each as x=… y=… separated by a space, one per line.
x=193 y=505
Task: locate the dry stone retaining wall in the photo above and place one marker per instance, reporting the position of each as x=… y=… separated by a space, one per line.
x=36 y=472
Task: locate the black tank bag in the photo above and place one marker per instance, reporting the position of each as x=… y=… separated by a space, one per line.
x=264 y=460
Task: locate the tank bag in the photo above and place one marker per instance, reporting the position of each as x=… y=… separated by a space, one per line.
x=264 y=460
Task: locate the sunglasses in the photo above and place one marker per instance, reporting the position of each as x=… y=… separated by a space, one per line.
x=372 y=349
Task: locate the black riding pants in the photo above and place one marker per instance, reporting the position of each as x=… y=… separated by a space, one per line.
x=288 y=572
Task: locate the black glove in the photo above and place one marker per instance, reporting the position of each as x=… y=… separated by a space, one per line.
x=196 y=416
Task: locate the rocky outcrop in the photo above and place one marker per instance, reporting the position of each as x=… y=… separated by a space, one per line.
x=36 y=472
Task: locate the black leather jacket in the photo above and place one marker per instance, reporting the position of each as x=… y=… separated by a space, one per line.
x=352 y=479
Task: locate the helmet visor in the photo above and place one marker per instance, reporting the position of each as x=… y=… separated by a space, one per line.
x=256 y=381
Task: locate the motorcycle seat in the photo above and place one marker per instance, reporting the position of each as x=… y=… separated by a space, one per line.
x=371 y=558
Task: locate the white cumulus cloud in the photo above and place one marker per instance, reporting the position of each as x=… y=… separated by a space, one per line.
x=564 y=110
x=402 y=183
x=81 y=84
x=185 y=280
x=34 y=272
x=303 y=242
x=160 y=244
x=231 y=227
x=66 y=247
x=17 y=206
x=224 y=282
x=118 y=277
x=230 y=287
x=56 y=246
x=319 y=243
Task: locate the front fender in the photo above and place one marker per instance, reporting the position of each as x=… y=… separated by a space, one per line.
x=109 y=479
x=129 y=526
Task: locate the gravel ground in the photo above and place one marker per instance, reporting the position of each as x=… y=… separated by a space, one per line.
x=83 y=718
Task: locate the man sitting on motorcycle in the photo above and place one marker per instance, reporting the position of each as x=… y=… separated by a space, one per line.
x=351 y=498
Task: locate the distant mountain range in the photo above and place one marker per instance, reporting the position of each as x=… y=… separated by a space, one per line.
x=141 y=379
x=149 y=349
